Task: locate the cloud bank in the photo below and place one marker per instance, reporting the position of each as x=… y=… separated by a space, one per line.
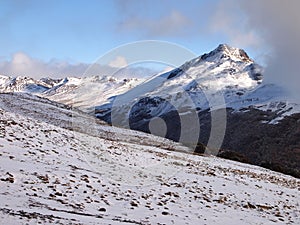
x=278 y=23
x=22 y=64
x=271 y=27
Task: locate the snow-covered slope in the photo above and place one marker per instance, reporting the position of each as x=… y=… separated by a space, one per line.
x=53 y=171
x=268 y=97
x=79 y=92
x=57 y=114
x=3 y=79
x=89 y=91
x=22 y=84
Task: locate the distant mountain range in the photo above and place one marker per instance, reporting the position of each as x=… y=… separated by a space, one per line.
x=261 y=123
x=66 y=90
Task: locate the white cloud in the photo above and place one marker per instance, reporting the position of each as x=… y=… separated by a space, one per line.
x=21 y=61
x=271 y=26
x=278 y=23
x=22 y=64
x=118 y=62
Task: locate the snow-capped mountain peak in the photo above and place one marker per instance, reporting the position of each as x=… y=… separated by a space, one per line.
x=225 y=70
x=224 y=51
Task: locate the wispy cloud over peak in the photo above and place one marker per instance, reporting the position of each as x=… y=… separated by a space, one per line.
x=228 y=20
x=172 y=23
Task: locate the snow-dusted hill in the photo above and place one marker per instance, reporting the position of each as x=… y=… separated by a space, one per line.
x=56 y=170
x=90 y=91
x=22 y=84
x=220 y=102
x=79 y=92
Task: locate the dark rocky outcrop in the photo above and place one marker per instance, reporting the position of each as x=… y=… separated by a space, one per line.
x=273 y=146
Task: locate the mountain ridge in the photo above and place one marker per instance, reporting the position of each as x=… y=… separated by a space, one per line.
x=224 y=56
x=226 y=78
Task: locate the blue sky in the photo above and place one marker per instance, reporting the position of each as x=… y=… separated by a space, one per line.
x=81 y=31
x=62 y=37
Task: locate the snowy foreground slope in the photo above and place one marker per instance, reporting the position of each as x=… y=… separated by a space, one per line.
x=54 y=170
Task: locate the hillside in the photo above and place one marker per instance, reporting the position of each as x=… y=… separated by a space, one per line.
x=56 y=170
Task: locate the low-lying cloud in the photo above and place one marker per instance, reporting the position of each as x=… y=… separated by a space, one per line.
x=119 y=62
x=22 y=64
